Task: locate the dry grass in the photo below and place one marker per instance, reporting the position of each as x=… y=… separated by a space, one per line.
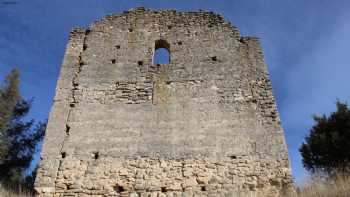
x=336 y=187
x=8 y=193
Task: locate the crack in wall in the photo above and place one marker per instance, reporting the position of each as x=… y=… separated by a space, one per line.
x=78 y=68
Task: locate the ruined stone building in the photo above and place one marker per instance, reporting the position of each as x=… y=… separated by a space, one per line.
x=205 y=124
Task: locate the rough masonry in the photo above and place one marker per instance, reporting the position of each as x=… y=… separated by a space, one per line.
x=205 y=124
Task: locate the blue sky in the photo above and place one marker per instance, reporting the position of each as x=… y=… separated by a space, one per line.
x=306 y=46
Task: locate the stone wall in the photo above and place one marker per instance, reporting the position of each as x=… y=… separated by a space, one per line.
x=205 y=124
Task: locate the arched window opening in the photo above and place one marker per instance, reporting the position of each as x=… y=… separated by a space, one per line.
x=161 y=52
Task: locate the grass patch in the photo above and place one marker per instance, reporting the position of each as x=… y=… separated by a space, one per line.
x=4 y=192
x=339 y=186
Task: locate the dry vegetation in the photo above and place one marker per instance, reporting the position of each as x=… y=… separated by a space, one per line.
x=8 y=193
x=338 y=187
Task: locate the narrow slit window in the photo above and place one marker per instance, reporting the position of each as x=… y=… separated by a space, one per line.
x=162 y=52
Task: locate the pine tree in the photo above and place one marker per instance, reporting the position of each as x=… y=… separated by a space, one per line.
x=9 y=95
x=327 y=148
x=19 y=138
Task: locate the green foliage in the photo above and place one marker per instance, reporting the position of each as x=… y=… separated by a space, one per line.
x=9 y=95
x=327 y=148
x=18 y=138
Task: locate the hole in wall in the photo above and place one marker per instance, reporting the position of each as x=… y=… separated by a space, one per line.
x=63 y=155
x=242 y=40
x=72 y=105
x=162 y=52
x=84 y=47
x=130 y=30
x=214 y=58
x=163 y=189
x=161 y=56
x=203 y=188
x=179 y=43
x=119 y=188
x=81 y=63
x=96 y=155
x=67 y=130
x=117 y=46
x=233 y=157
x=140 y=63
x=169 y=27
x=113 y=61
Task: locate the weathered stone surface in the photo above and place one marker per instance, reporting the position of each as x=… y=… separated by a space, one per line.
x=205 y=124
